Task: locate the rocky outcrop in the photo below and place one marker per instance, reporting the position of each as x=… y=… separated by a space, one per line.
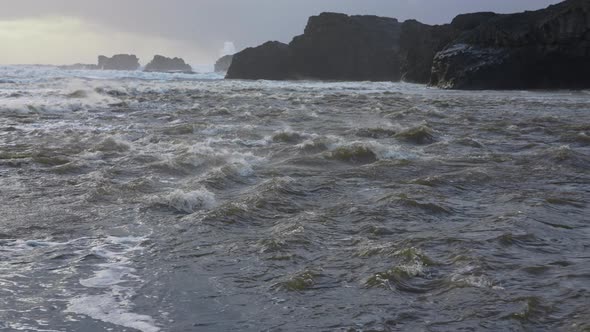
x=269 y=61
x=118 y=62
x=544 y=49
x=333 y=47
x=341 y=47
x=548 y=48
x=420 y=42
x=168 y=65
x=222 y=65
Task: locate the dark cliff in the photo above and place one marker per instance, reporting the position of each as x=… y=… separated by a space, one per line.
x=544 y=49
x=420 y=42
x=333 y=47
x=342 y=47
x=548 y=48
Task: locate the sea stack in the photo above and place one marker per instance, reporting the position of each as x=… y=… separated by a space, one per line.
x=118 y=62
x=168 y=65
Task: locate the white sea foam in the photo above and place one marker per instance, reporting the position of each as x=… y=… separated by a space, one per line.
x=188 y=202
x=115 y=278
x=113 y=306
x=465 y=276
x=35 y=74
x=107 y=309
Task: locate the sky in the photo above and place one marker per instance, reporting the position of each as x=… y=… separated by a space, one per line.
x=77 y=31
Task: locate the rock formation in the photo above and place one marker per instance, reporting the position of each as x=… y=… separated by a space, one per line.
x=333 y=47
x=543 y=49
x=269 y=61
x=548 y=48
x=358 y=48
x=341 y=47
x=167 y=65
x=118 y=62
x=222 y=65
x=420 y=42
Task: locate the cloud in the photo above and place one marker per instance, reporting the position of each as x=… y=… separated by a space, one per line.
x=192 y=29
x=228 y=48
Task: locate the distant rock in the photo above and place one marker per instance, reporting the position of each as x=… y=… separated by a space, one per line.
x=420 y=42
x=269 y=61
x=79 y=66
x=167 y=65
x=341 y=47
x=222 y=65
x=118 y=62
x=543 y=49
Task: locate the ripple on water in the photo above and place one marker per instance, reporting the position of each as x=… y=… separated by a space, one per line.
x=289 y=205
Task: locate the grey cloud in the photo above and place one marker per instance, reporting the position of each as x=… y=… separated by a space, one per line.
x=208 y=23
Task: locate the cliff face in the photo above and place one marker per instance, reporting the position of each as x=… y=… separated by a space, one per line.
x=342 y=47
x=333 y=47
x=118 y=62
x=269 y=61
x=355 y=48
x=544 y=49
x=548 y=48
x=419 y=43
x=222 y=65
x=163 y=64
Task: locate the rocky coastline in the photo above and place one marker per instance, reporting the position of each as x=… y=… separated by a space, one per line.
x=544 y=49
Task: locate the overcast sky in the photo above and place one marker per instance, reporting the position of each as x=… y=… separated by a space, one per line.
x=70 y=31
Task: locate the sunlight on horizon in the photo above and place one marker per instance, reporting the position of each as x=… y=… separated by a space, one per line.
x=68 y=40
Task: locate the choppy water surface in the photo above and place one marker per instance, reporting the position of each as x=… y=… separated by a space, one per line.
x=133 y=202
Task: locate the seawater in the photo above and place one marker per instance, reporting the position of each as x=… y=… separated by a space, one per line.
x=137 y=201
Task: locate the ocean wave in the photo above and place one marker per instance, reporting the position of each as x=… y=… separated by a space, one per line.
x=186 y=201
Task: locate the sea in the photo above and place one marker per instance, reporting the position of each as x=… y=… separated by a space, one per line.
x=134 y=201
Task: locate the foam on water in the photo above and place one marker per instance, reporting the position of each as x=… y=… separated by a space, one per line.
x=187 y=202
x=114 y=305
x=107 y=309
x=34 y=74
x=115 y=278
